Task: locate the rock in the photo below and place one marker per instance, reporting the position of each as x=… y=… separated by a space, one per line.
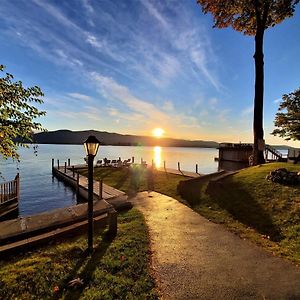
x=283 y=176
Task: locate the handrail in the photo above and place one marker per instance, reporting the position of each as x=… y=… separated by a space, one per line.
x=10 y=190
x=274 y=151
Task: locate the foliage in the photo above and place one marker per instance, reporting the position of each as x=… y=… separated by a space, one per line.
x=288 y=117
x=252 y=17
x=17 y=114
x=248 y=16
x=118 y=269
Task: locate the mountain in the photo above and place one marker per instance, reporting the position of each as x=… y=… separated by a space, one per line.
x=107 y=138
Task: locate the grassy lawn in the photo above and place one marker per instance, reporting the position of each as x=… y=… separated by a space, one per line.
x=135 y=179
x=118 y=269
x=255 y=208
x=246 y=203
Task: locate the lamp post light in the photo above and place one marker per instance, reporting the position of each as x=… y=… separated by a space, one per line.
x=91 y=146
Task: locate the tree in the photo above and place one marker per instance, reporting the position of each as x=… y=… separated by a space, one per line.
x=17 y=114
x=252 y=17
x=288 y=117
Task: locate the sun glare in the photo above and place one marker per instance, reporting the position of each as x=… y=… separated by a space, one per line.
x=158 y=132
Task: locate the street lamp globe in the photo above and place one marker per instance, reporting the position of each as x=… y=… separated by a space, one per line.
x=91 y=146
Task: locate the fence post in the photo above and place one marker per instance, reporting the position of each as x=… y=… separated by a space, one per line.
x=132 y=159
x=73 y=170
x=69 y=162
x=197 y=168
x=101 y=189
x=178 y=165
x=65 y=167
x=52 y=164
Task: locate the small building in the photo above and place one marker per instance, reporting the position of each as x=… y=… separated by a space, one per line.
x=293 y=154
x=235 y=152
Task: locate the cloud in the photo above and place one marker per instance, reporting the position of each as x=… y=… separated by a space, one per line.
x=141 y=111
x=79 y=96
x=276 y=101
x=153 y=11
x=247 y=111
x=168 y=106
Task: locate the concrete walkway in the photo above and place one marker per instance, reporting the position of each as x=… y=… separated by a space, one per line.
x=193 y=258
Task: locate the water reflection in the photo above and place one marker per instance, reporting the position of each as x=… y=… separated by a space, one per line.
x=157 y=156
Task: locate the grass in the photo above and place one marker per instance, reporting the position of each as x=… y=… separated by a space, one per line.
x=246 y=203
x=265 y=212
x=137 y=179
x=118 y=269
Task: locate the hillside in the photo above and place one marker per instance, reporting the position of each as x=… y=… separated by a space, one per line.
x=107 y=138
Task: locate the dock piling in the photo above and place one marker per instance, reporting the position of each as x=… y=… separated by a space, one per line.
x=58 y=164
x=65 y=167
x=112 y=223
x=69 y=162
x=52 y=163
x=132 y=159
x=178 y=165
x=101 y=189
x=197 y=168
x=73 y=170
x=77 y=185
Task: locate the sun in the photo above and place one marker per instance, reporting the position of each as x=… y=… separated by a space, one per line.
x=158 y=132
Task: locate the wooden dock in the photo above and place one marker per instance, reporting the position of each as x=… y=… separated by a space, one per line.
x=79 y=182
x=9 y=196
x=179 y=172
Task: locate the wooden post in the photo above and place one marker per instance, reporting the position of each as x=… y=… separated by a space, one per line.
x=73 y=170
x=164 y=164
x=18 y=186
x=101 y=189
x=65 y=167
x=112 y=223
x=77 y=185
x=52 y=164
x=58 y=164
x=178 y=165
x=197 y=168
x=69 y=162
x=132 y=159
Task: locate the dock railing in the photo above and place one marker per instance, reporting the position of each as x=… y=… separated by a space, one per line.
x=10 y=190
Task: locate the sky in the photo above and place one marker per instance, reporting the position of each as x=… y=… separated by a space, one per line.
x=131 y=66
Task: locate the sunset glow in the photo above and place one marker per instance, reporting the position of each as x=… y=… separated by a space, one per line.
x=157 y=156
x=158 y=132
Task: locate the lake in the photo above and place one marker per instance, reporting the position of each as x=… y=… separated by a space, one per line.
x=41 y=192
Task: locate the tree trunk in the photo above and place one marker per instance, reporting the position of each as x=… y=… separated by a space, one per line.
x=258 y=132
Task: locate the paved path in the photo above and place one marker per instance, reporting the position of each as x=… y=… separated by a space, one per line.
x=197 y=259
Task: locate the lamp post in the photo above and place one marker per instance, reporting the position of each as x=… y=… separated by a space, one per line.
x=91 y=146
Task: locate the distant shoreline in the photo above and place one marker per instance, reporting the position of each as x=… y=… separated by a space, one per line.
x=119 y=145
